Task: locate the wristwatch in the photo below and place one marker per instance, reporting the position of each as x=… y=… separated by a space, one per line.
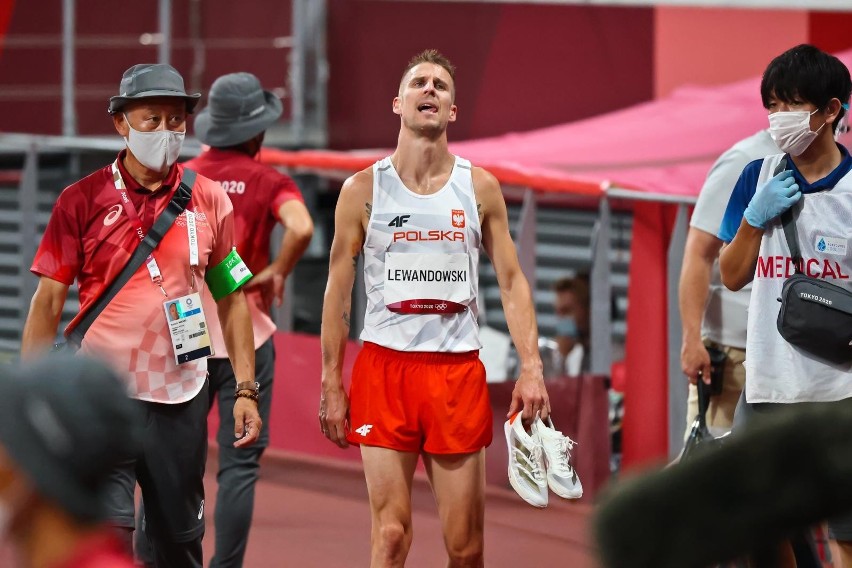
x=247 y=389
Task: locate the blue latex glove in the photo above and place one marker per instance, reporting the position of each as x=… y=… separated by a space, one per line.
x=771 y=199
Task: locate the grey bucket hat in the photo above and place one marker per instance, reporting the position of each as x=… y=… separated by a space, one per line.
x=66 y=422
x=238 y=109
x=151 y=80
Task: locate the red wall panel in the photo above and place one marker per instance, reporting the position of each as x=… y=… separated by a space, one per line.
x=518 y=66
x=830 y=31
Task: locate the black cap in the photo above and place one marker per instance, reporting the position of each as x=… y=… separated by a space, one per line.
x=67 y=422
x=151 y=80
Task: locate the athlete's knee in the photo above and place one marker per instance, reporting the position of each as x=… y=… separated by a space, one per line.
x=468 y=555
x=393 y=538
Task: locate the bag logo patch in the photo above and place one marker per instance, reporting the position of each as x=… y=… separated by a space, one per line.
x=830 y=245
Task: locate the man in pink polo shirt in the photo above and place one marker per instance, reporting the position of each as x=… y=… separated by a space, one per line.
x=96 y=224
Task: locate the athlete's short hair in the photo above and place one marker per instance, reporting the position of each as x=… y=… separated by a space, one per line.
x=430 y=56
x=809 y=74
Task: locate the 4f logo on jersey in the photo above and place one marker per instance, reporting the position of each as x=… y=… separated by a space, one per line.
x=365 y=429
x=399 y=221
x=458 y=218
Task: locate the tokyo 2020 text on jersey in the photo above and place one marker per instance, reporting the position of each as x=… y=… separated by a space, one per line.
x=257 y=193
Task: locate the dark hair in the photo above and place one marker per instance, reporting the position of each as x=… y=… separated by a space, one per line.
x=807 y=73
x=431 y=56
x=577 y=285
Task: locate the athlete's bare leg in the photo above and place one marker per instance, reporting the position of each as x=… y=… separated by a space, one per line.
x=389 y=474
x=458 y=482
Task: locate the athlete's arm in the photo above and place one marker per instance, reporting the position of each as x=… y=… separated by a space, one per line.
x=298 y=230
x=239 y=340
x=530 y=392
x=43 y=319
x=738 y=260
x=353 y=207
x=701 y=251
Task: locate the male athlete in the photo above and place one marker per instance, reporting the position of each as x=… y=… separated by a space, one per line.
x=418 y=387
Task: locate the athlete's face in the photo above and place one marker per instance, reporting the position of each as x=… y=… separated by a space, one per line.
x=425 y=100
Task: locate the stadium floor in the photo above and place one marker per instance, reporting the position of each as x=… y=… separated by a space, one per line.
x=313 y=512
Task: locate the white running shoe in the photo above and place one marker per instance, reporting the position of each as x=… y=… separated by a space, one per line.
x=561 y=476
x=526 y=463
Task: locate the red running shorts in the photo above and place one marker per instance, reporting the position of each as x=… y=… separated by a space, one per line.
x=419 y=401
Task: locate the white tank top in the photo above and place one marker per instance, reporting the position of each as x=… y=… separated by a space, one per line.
x=776 y=371
x=421 y=261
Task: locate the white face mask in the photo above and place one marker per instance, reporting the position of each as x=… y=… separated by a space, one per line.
x=156 y=150
x=791 y=130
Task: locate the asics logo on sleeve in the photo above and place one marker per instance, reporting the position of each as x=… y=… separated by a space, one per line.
x=365 y=429
x=201 y=510
x=113 y=215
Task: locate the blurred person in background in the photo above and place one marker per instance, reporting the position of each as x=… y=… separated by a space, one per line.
x=571 y=305
x=65 y=423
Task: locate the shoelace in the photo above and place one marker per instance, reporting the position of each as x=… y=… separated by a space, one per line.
x=562 y=464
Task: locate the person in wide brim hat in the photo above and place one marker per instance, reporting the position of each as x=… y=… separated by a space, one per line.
x=239 y=109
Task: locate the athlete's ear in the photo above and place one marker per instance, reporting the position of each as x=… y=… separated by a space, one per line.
x=453 y=110
x=397 y=105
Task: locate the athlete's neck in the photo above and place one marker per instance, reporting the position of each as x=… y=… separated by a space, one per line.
x=147 y=178
x=424 y=166
x=820 y=159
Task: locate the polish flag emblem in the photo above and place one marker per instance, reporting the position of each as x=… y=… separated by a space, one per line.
x=458 y=218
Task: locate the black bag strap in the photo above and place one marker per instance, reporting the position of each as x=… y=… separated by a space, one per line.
x=788 y=221
x=155 y=234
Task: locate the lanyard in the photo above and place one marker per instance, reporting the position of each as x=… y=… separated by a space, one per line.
x=136 y=223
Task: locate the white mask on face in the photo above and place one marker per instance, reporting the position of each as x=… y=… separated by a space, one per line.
x=156 y=150
x=791 y=130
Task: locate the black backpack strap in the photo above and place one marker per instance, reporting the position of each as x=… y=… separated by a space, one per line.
x=788 y=221
x=155 y=234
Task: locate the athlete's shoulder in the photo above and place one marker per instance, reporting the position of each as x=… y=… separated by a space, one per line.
x=359 y=182
x=484 y=181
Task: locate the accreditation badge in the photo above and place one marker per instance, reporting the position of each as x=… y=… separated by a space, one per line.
x=188 y=328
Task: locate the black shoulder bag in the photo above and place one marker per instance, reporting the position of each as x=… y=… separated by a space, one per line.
x=155 y=234
x=815 y=315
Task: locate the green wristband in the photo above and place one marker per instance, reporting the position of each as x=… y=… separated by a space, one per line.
x=227 y=276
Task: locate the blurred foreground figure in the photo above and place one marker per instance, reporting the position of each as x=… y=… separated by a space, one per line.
x=786 y=472
x=65 y=422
